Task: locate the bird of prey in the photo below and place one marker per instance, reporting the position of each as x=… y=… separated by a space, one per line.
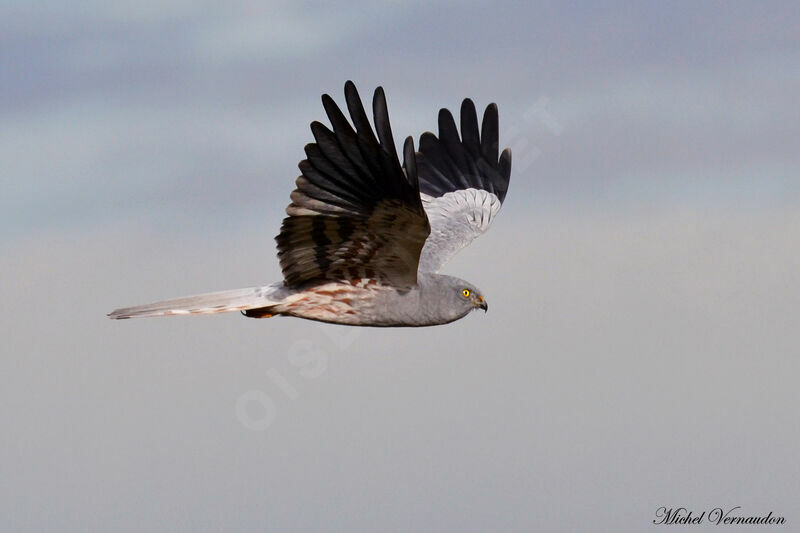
x=365 y=236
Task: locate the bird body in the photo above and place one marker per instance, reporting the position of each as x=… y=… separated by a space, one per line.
x=362 y=302
x=436 y=299
x=365 y=236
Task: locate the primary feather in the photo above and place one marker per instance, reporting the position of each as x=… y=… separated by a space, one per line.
x=462 y=182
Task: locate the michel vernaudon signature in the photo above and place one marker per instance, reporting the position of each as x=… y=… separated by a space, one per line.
x=717 y=516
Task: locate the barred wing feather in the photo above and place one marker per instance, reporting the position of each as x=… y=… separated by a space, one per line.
x=356 y=212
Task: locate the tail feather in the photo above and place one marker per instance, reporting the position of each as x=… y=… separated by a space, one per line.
x=203 y=304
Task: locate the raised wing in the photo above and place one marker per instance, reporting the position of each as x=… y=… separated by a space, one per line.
x=462 y=181
x=355 y=212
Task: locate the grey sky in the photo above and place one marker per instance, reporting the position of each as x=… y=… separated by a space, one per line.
x=642 y=276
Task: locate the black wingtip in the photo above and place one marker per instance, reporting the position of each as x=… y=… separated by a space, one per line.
x=490 y=135
x=327 y=101
x=382 y=125
x=331 y=109
x=469 y=115
x=318 y=129
x=410 y=162
x=447 y=126
x=505 y=163
x=427 y=137
x=504 y=168
x=356 y=109
x=469 y=127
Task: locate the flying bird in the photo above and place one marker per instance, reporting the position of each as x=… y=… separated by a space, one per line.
x=365 y=237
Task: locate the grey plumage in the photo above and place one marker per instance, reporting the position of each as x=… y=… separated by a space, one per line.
x=365 y=236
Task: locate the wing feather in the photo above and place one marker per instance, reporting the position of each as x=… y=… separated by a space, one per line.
x=462 y=181
x=356 y=212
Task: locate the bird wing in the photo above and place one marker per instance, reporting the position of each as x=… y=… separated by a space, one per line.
x=356 y=212
x=462 y=181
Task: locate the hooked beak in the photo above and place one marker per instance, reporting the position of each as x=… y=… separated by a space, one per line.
x=482 y=304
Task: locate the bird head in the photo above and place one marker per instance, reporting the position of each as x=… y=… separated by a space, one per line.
x=474 y=298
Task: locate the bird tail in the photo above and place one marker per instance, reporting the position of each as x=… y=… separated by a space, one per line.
x=255 y=298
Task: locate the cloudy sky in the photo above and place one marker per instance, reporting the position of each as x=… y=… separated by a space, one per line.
x=644 y=275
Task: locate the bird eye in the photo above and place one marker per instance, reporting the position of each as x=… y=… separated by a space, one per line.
x=465 y=292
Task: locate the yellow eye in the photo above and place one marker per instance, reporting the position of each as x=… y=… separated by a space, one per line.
x=465 y=292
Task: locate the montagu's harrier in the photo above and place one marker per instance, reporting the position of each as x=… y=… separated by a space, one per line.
x=366 y=237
